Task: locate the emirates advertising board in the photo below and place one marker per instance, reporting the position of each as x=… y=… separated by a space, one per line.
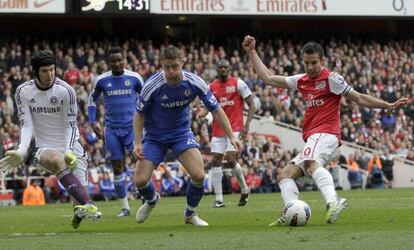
x=285 y=7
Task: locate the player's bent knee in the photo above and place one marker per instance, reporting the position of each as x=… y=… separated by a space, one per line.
x=53 y=162
x=140 y=182
x=279 y=178
x=198 y=178
x=311 y=166
x=217 y=159
x=289 y=172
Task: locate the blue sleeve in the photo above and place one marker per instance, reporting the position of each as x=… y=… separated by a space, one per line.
x=138 y=85
x=93 y=97
x=142 y=105
x=209 y=101
x=92 y=114
x=204 y=92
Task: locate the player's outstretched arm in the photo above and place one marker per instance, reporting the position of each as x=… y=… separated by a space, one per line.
x=138 y=127
x=221 y=117
x=249 y=44
x=372 y=102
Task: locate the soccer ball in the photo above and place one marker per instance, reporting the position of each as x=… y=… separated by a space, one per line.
x=296 y=213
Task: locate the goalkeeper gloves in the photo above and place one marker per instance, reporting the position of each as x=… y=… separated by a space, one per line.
x=11 y=159
x=71 y=160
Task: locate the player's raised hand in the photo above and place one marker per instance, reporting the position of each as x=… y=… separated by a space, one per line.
x=96 y=127
x=399 y=103
x=11 y=160
x=139 y=151
x=249 y=43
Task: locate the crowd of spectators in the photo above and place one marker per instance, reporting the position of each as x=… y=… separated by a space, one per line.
x=380 y=67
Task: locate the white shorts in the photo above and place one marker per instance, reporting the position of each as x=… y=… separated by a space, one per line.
x=320 y=147
x=222 y=144
x=81 y=170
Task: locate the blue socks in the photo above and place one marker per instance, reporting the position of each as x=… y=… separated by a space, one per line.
x=148 y=192
x=120 y=186
x=194 y=194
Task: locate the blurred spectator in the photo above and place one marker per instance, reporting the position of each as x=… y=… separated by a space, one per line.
x=33 y=194
x=170 y=185
x=72 y=75
x=107 y=188
x=374 y=162
x=354 y=174
x=268 y=184
x=387 y=162
x=376 y=178
x=253 y=180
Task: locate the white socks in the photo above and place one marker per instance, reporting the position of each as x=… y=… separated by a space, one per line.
x=216 y=180
x=238 y=172
x=124 y=203
x=288 y=190
x=323 y=179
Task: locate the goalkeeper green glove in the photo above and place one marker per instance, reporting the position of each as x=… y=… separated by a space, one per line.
x=11 y=159
x=71 y=160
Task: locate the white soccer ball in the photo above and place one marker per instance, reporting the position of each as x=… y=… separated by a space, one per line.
x=296 y=213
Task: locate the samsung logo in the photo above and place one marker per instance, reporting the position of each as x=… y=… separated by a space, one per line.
x=119 y=92
x=175 y=104
x=48 y=110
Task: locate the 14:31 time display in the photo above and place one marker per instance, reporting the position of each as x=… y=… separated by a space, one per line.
x=133 y=4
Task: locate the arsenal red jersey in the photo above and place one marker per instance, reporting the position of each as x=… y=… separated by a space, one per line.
x=230 y=95
x=322 y=97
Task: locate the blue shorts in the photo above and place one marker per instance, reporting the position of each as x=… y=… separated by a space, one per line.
x=155 y=151
x=117 y=140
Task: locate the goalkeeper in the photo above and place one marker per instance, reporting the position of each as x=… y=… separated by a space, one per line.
x=47 y=109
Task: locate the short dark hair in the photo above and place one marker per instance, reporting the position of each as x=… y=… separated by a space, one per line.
x=312 y=48
x=171 y=52
x=223 y=62
x=42 y=58
x=114 y=50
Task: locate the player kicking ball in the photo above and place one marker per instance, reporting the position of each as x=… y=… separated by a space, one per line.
x=322 y=91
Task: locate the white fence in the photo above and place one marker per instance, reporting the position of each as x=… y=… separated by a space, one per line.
x=291 y=138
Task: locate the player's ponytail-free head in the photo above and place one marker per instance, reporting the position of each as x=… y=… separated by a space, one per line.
x=114 y=50
x=42 y=58
x=171 y=52
x=312 y=48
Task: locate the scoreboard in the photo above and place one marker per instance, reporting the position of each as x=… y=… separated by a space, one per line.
x=115 y=6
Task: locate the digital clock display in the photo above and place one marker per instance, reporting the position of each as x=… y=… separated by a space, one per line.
x=115 y=6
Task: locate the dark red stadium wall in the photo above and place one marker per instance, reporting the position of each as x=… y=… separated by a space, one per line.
x=154 y=26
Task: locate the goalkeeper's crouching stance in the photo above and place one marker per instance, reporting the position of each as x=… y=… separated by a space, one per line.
x=47 y=109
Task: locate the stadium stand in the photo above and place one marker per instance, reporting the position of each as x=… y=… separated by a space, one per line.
x=372 y=65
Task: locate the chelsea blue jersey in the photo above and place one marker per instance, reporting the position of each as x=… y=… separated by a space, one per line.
x=120 y=96
x=166 y=107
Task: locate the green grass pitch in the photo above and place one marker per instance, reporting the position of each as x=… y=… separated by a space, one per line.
x=375 y=219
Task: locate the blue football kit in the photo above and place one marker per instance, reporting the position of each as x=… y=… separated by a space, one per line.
x=166 y=111
x=119 y=95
